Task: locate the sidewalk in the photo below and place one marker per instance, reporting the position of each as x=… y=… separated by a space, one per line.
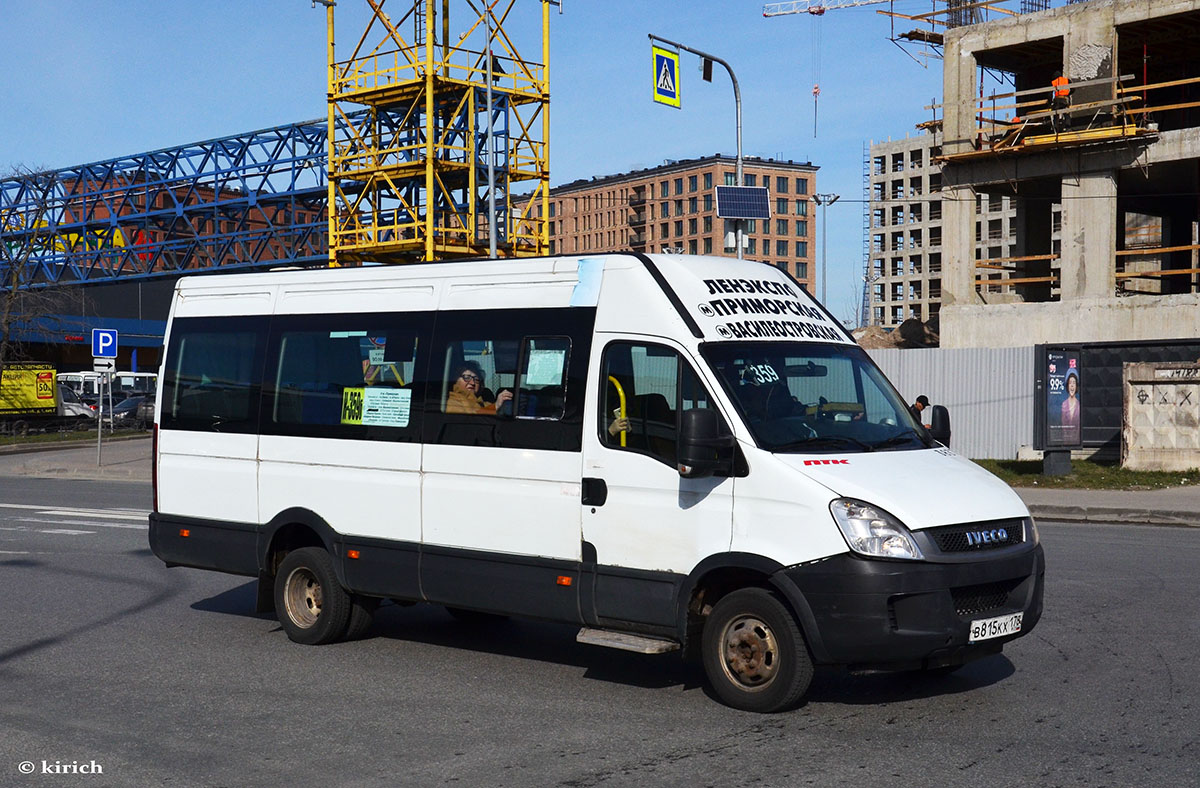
x=121 y=459
x=1170 y=506
x=128 y=459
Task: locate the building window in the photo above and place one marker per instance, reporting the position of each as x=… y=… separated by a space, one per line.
x=801 y=248
x=781 y=206
x=679 y=207
x=801 y=186
x=691 y=204
x=708 y=202
x=781 y=185
x=708 y=246
x=679 y=185
x=708 y=224
x=692 y=246
x=664 y=210
x=752 y=225
x=664 y=230
x=753 y=247
x=730 y=179
x=781 y=248
x=781 y=226
x=751 y=180
x=678 y=228
x=692 y=227
x=802 y=207
x=691 y=183
x=801 y=270
x=802 y=227
x=708 y=180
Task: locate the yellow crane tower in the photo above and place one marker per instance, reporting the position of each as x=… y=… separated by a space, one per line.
x=417 y=129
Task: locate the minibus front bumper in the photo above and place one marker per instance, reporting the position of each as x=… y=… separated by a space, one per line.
x=897 y=615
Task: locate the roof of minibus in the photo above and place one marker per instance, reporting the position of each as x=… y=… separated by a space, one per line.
x=716 y=298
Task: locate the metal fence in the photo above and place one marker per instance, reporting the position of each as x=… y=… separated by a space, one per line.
x=989 y=392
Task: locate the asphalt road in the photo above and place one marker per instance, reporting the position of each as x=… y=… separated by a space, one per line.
x=165 y=677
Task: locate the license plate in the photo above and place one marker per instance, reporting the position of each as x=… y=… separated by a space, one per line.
x=998 y=627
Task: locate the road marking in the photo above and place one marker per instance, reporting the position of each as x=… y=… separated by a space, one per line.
x=93 y=513
x=88 y=523
x=92 y=518
x=64 y=531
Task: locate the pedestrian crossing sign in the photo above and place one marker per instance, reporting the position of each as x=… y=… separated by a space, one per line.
x=666 y=76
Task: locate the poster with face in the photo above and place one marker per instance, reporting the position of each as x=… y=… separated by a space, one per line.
x=1062 y=399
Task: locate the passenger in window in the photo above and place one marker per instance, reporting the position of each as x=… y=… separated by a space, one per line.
x=466 y=392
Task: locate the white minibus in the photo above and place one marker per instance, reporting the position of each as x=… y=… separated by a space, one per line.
x=669 y=452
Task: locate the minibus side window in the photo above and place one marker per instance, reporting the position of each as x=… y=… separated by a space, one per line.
x=543 y=379
x=344 y=376
x=532 y=368
x=213 y=374
x=649 y=386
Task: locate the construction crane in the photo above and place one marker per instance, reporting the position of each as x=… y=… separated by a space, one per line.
x=816 y=8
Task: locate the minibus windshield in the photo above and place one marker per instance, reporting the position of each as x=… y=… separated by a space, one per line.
x=804 y=397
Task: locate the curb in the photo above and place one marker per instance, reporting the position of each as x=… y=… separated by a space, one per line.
x=1109 y=514
x=43 y=446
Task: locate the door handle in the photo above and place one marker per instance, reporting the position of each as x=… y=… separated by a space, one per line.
x=595 y=492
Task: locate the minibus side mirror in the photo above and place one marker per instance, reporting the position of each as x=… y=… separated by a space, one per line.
x=940 y=426
x=700 y=442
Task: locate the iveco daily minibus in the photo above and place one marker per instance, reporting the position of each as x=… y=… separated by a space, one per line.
x=670 y=452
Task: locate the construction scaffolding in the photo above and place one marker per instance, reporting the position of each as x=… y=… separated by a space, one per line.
x=408 y=177
x=242 y=201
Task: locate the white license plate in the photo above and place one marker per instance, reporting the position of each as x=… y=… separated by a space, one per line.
x=998 y=627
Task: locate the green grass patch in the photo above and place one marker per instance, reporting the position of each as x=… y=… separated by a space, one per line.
x=1088 y=475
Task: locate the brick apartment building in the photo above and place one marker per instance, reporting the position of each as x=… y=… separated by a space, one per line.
x=673 y=208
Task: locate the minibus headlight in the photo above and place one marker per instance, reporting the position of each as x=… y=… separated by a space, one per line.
x=1031 y=532
x=871 y=531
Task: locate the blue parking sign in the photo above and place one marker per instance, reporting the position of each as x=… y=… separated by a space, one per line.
x=104 y=342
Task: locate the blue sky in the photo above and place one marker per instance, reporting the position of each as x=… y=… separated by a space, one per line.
x=96 y=79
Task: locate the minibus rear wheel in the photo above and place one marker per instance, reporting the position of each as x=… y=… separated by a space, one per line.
x=754 y=654
x=312 y=606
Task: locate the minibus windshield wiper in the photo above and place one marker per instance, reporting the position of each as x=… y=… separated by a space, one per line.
x=900 y=437
x=823 y=440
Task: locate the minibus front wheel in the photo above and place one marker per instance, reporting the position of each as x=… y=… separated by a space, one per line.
x=754 y=654
x=313 y=607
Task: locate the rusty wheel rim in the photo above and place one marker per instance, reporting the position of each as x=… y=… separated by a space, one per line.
x=302 y=597
x=749 y=653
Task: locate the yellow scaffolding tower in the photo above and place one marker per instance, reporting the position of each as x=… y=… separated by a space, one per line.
x=408 y=137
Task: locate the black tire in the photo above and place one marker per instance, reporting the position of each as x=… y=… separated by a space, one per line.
x=312 y=606
x=754 y=654
x=362 y=613
x=20 y=428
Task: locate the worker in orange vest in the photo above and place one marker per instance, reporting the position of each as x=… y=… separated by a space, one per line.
x=1060 y=99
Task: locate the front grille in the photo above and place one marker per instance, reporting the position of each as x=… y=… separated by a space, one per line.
x=983 y=598
x=973 y=537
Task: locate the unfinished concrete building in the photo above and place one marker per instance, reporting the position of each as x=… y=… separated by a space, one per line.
x=904 y=251
x=1118 y=147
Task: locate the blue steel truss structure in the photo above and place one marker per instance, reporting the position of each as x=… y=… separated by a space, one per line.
x=246 y=201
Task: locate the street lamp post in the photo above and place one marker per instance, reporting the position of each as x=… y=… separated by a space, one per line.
x=824 y=200
x=737 y=102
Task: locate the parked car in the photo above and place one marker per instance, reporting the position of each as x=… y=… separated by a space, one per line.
x=70 y=404
x=128 y=413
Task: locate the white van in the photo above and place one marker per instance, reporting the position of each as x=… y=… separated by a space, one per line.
x=671 y=452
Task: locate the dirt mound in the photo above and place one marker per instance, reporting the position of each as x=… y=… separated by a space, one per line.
x=911 y=333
